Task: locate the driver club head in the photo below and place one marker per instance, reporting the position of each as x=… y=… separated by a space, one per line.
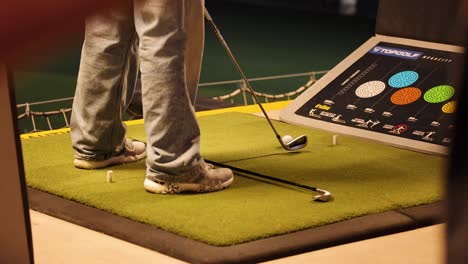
x=295 y=144
x=324 y=196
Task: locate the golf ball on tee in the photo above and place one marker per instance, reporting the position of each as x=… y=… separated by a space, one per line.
x=286 y=139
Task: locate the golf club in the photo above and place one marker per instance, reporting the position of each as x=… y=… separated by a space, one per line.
x=323 y=196
x=291 y=145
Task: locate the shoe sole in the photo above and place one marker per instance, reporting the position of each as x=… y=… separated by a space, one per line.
x=174 y=188
x=91 y=165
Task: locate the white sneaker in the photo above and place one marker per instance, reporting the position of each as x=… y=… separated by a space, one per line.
x=131 y=151
x=204 y=178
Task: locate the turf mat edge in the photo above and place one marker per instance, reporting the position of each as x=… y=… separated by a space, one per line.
x=211 y=218
x=193 y=251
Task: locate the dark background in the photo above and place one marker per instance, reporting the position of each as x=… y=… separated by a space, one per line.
x=267 y=37
x=366 y=8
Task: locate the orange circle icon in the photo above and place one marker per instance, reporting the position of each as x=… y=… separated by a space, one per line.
x=406 y=96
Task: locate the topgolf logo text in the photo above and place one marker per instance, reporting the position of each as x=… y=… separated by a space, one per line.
x=400 y=53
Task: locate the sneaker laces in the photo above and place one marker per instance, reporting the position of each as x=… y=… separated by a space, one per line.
x=128 y=144
x=210 y=166
x=207 y=166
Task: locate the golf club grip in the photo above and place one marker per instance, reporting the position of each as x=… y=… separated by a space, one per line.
x=262 y=176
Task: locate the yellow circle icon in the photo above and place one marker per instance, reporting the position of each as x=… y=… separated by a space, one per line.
x=449 y=107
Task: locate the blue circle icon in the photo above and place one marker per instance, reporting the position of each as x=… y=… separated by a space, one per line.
x=403 y=79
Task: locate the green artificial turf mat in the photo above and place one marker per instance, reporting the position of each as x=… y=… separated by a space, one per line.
x=364 y=177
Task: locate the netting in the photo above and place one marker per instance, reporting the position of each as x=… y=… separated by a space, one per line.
x=36 y=121
x=58 y=111
x=243 y=92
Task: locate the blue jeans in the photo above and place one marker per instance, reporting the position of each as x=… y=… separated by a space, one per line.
x=163 y=39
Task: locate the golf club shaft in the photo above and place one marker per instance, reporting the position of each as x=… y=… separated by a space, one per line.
x=239 y=69
x=311 y=188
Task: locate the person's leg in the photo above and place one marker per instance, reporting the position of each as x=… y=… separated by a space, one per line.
x=195 y=42
x=195 y=30
x=173 y=134
x=130 y=76
x=107 y=67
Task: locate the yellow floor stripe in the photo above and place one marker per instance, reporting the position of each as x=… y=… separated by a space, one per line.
x=241 y=109
x=45 y=133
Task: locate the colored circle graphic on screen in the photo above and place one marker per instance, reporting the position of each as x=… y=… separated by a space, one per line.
x=406 y=96
x=370 y=89
x=439 y=94
x=449 y=108
x=403 y=79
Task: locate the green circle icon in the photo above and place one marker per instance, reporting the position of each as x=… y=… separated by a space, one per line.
x=439 y=94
